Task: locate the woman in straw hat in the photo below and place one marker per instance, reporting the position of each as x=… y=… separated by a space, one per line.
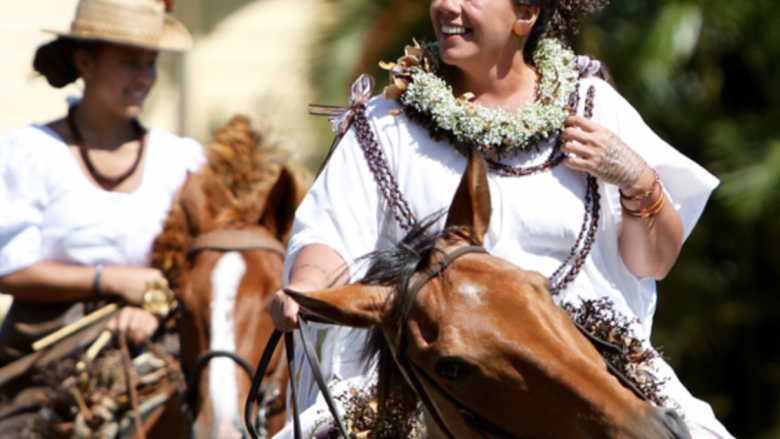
x=84 y=196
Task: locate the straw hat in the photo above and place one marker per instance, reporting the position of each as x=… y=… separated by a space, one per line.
x=141 y=23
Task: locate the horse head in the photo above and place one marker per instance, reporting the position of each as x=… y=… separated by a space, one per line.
x=232 y=268
x=480 y=340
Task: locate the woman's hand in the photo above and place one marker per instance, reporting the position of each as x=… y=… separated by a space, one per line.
x=284 y=310
x=602 y=154
x=137 y=323
x=317 y=267
x=128 y=283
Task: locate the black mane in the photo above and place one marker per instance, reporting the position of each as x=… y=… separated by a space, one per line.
x=398 y=404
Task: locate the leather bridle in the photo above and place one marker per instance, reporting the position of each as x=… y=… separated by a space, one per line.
x=236 y=240
x=226 y=241
x=408 y=368
x=413 y=372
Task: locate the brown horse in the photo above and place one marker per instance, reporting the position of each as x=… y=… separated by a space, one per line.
x=223 y=248
x=480 y=340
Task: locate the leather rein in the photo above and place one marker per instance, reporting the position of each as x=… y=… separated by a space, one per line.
x=226 y=241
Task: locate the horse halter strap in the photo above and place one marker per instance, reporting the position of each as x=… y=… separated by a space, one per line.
x=412 y=371
x=225 y=241
x=236 y=240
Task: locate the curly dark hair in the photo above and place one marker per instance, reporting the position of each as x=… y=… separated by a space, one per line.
x=556 y=18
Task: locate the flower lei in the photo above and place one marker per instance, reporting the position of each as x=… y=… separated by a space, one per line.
x=415 y=83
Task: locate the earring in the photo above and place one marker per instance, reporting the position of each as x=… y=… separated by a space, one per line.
x=520 y=28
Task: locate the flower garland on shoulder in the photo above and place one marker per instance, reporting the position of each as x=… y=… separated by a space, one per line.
x=415 y=83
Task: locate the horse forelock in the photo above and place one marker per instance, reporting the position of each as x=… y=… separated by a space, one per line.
x=397 y=401
x=242 y=167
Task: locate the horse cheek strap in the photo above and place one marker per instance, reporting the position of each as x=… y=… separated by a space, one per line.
x=257 y=381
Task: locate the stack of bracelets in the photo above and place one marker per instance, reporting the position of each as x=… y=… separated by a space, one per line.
x=651 y=211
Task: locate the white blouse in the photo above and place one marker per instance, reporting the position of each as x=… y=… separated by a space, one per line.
x=535 y=220
x=49 y=211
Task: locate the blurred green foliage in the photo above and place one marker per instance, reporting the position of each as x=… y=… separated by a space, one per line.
x=705 y=75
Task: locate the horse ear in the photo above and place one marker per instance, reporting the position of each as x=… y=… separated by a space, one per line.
x=471 y=204
x=279 y=211
x=358 y=306
x=196 y=207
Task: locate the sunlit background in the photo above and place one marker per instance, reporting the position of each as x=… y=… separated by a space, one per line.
x=705 y=74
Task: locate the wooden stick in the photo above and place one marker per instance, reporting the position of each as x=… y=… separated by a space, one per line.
x=98 y=345
x=81 y=403
x=56 y=336
x=139 y=426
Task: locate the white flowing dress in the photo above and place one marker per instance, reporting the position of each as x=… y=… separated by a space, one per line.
x=535 y=222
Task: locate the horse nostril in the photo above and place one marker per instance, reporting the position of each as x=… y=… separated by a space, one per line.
x=674 y=423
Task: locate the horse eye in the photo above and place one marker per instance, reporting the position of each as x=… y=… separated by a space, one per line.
x=451 y=370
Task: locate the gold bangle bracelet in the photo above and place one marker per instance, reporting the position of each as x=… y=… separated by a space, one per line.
x=651 y=211
x=645 y=194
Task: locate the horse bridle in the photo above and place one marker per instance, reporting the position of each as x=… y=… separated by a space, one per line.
x=236 y=240
x=225 y=241
x=412 y=371
x=409 y=369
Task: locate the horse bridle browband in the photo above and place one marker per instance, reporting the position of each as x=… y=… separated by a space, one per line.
x=236 y=240
x=409 y=369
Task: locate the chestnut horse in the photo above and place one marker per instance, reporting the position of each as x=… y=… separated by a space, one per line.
x=223 y=248
x=481 y=342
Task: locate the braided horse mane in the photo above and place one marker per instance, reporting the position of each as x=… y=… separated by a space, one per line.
x=242 y=167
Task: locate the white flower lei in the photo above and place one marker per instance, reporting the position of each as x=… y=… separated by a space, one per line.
x=498 y=130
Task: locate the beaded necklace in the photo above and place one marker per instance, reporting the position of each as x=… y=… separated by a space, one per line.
x=107 y=183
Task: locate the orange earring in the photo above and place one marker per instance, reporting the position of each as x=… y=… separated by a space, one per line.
x=520 y=28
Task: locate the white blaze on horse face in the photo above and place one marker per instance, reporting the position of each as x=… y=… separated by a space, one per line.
x=223 y=384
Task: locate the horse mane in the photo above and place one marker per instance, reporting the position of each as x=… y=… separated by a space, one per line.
x=242 y=167
x=397 y=403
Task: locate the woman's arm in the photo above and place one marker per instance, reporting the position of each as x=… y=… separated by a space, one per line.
x=55 y=282
x=317 y=267
x=649 y=246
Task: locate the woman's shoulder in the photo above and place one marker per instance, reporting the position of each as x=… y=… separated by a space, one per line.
x=383 y=111
x=30 y=135
x=606 y=97
x=33 y=143
x=177 y=149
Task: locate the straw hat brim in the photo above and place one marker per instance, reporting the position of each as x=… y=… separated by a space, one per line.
x=174 y=38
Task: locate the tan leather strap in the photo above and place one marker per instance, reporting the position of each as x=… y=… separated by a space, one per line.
x=236 y=240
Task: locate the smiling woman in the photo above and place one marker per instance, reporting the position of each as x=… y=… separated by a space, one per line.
x=582 y=192
x=84 y=196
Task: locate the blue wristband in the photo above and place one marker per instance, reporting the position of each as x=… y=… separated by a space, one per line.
x=98 y=274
